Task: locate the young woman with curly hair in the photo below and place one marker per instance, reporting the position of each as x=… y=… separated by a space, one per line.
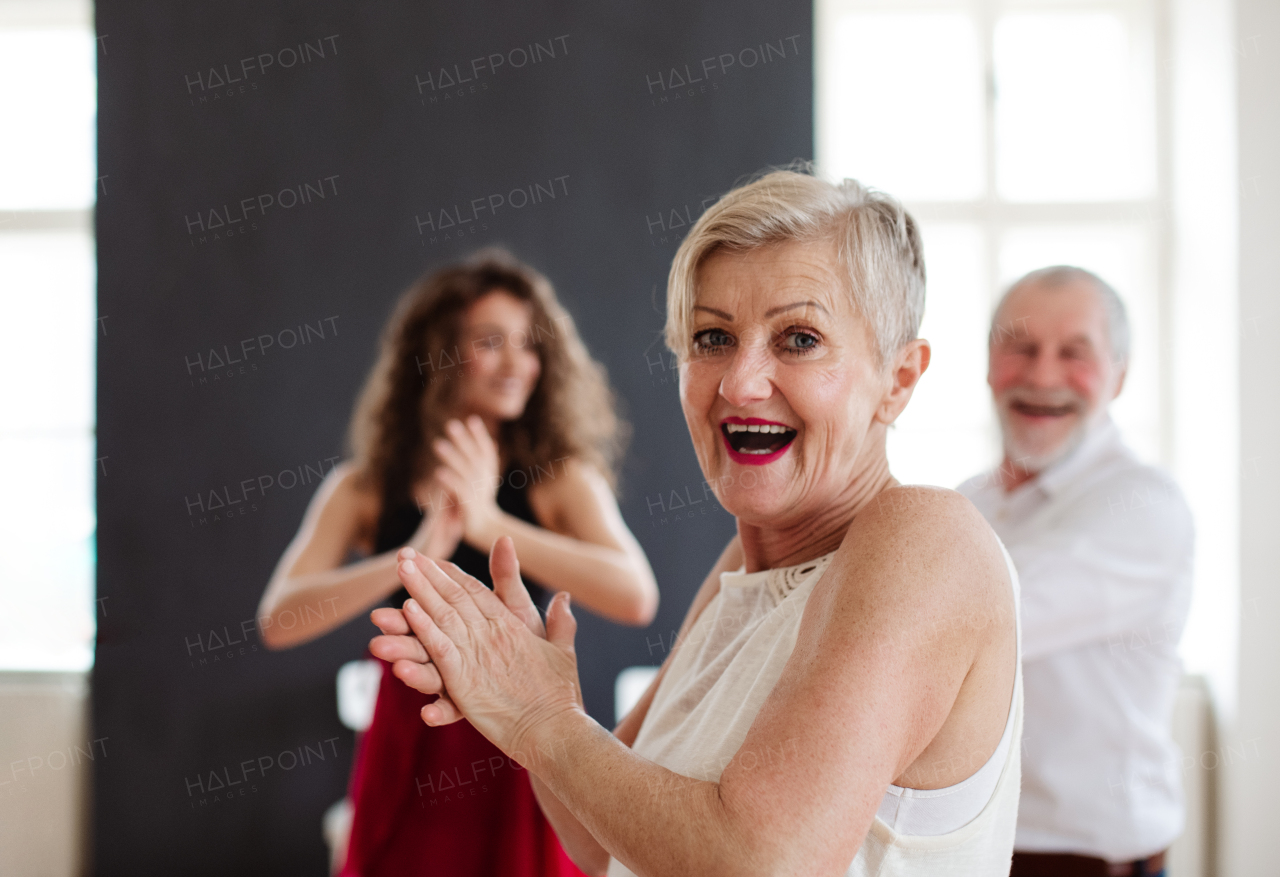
x=483 y=417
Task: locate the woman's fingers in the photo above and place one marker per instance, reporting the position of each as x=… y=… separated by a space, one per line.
x=451 y=455
x=561 y=629
x=504 y=567
x=483 y=441
x=471 y=452
x=453 y=482
x=399 y=648
x=462 y=600
x=441 y=649
x=389 y=621
x=461 y=487
x=489 y=605
x=420 y=587
x=420 y=677
x=464 y=438
x=442 y=712
x=561 y=625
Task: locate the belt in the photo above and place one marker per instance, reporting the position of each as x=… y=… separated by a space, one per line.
x=1067 y=865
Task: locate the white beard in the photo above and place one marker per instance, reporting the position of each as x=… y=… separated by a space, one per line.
x=1034 y=459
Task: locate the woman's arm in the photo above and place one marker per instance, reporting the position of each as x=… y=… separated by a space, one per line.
x=908 y=636
x=311 y=592
x=584 y=849
x=586 y=547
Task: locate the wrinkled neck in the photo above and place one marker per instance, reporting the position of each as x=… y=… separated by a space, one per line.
x=795 y=542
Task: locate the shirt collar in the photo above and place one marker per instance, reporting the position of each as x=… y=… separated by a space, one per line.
x=1097 y=441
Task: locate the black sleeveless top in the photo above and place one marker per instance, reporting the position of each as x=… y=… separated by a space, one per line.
x=400 y=519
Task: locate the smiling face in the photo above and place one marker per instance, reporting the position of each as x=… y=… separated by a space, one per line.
x=504 y=366
x=784 y=396
x=1051 y=370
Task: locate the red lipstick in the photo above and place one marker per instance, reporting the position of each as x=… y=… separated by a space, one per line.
x=756 y=456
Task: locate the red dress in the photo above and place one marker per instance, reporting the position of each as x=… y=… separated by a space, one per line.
x=443 y=801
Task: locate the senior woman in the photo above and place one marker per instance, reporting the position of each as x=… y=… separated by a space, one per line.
x=845 y=696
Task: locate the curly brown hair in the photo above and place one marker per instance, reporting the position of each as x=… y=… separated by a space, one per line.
x=405 y=402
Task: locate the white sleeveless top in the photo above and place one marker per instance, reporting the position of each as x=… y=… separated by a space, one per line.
x=728 y=665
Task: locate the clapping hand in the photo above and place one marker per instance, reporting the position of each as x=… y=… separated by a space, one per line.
x=486 y=653
x=441 y=529
x=469 y=472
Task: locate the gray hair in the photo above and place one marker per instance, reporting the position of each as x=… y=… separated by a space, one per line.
x=878 y=243
x=1061 y=275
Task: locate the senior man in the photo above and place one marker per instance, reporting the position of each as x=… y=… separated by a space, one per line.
x=1103 y=546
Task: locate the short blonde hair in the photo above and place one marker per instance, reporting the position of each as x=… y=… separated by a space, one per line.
x=878 y=244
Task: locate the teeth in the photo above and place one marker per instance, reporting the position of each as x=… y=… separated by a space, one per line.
x=756 y=427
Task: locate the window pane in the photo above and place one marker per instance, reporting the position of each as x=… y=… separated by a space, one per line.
x=947 y=432
x=902 y=104
x=1120 y=255
x=47 y=341
x=47 y=110
x=46 y=552
x=1074 y=108
x=47 y=332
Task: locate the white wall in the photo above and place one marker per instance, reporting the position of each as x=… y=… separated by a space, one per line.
x=1251 y=810
x=1203 y=317
x=46 y=757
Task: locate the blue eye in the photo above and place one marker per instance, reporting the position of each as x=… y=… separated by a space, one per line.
x=799 y=342
x=712 y=340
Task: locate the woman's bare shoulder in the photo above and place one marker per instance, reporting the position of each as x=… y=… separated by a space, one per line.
x=346 y=493
x=916 y=510
x=927 y=538
x=348 y=481
x=563 y=486
x=565 y=478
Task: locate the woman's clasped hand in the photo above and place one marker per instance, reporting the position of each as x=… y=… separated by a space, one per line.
x=469 y=476
x=486 y=653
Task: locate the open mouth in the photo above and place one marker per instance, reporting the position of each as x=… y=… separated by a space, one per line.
x=755 y=441
x=1028 y=410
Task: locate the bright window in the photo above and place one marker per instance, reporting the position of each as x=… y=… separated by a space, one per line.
x=1074 y=107
x=902 y=84
x=1021 y=133
x=48 y=334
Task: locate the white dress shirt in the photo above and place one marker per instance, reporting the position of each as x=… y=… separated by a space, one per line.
x=1103 y=547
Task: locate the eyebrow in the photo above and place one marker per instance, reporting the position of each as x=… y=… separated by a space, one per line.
x=1079 y=339
x=769 y=313
x=800 y=304
x=721 y=314
x=1007 y=339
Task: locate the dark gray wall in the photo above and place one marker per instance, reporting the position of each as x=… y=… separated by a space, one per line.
x=182 y=687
